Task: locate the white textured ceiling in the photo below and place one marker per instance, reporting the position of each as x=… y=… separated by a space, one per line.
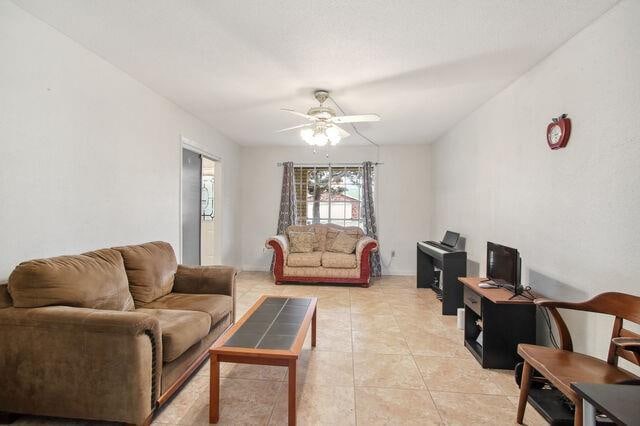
x=421 y=64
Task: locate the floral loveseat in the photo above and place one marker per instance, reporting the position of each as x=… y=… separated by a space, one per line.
x=324 y=256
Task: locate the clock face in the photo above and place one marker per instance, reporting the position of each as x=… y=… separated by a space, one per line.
x=555 y=134
x=558 y=132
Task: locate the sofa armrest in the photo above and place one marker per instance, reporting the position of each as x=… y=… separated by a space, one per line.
x=81 y=363
x=365 y=242
x=205 y=280
x=280 y=246
x=281 y=241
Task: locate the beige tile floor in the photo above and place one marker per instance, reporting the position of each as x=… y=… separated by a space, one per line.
x=384 y=355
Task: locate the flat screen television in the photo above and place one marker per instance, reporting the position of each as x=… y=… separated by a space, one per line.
x=503 y=265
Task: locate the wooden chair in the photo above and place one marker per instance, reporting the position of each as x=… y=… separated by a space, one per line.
x=561 y=367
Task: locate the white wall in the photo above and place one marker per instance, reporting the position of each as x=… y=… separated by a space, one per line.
x=402 y=198
x=89 y=157
x=573 y=213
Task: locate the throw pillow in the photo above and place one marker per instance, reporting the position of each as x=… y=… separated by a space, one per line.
x=344 y=243
x=301 y=242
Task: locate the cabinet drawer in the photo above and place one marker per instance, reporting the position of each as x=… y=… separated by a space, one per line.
x=473 y=300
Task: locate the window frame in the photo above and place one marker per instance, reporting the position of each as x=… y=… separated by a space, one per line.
x=301 y=179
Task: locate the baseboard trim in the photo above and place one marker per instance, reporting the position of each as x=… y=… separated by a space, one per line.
x=401 y=272
x=254 y=268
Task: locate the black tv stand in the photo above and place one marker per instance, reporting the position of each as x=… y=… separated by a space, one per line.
x=505 y=319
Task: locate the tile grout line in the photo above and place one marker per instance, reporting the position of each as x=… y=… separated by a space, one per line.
x=353 y=363
x=272 y=322
x=420 y=373
x=275 y=402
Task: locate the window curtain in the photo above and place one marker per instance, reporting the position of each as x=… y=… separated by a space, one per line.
x=287 y=214
x=370 y=227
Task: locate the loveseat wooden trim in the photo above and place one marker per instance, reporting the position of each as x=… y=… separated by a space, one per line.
x=363 y=280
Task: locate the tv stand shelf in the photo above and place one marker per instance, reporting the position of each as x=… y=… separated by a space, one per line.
x=504 y=321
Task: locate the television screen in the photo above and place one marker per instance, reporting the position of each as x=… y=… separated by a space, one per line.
x=502 y=264
x=450 y=239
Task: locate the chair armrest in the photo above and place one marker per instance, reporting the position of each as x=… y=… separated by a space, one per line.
x=631 y=344
x=549 y=303
x=627 y=343
x=565 y=336
x=205 y=280
x=281 y=241
x=63 y=361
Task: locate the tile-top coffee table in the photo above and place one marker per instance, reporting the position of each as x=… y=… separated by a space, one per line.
x=272 y=332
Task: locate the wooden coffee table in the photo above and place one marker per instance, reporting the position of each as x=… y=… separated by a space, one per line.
x=272 y=332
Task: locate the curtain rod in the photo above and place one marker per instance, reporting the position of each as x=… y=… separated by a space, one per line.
x=328 y=164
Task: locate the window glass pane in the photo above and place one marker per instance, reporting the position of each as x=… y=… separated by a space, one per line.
x=318 y=190
x=338 y=184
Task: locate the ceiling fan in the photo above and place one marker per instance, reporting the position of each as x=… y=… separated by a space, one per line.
x=323 y=127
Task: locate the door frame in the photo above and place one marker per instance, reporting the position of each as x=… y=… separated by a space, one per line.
x=193 y=146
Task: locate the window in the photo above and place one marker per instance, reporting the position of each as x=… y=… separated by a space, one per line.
x=206 y=193
x=329 y=194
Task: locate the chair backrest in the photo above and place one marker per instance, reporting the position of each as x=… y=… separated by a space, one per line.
x=623 y=307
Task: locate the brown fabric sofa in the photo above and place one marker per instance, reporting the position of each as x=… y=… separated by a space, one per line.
x=322 y=265
x=107 y=335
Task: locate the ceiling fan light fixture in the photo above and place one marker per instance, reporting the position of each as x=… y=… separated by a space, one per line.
x=334 y=135
x=320 y=139
x=324 y=123
x=307 y=135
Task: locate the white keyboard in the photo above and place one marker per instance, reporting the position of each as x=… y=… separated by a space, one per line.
x=434 y=248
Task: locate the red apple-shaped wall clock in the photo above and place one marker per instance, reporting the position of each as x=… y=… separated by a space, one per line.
x=558 y=132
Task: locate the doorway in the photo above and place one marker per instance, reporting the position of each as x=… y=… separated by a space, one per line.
x=198 y=208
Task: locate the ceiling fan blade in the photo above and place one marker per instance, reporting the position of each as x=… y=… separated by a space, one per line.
x=299 y=126
x=343 y=132
x=355 y=118
x=307 y=116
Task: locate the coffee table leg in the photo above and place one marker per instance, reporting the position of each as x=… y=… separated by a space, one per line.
x=313 y=327
x=292 y=392
x=214 y=390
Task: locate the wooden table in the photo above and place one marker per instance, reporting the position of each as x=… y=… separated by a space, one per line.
x=271 y=332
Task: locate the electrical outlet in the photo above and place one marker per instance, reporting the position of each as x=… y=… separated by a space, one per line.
x=393 y=253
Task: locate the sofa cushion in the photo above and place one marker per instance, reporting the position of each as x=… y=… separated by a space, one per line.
x=301 y=242
x=334 y=230
x=150 y=268
x=305 y=259
x=338 y=260
x=217 y=306
x=180 y=329
x=344 y=243
x=319 y=233
x=91 y=280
